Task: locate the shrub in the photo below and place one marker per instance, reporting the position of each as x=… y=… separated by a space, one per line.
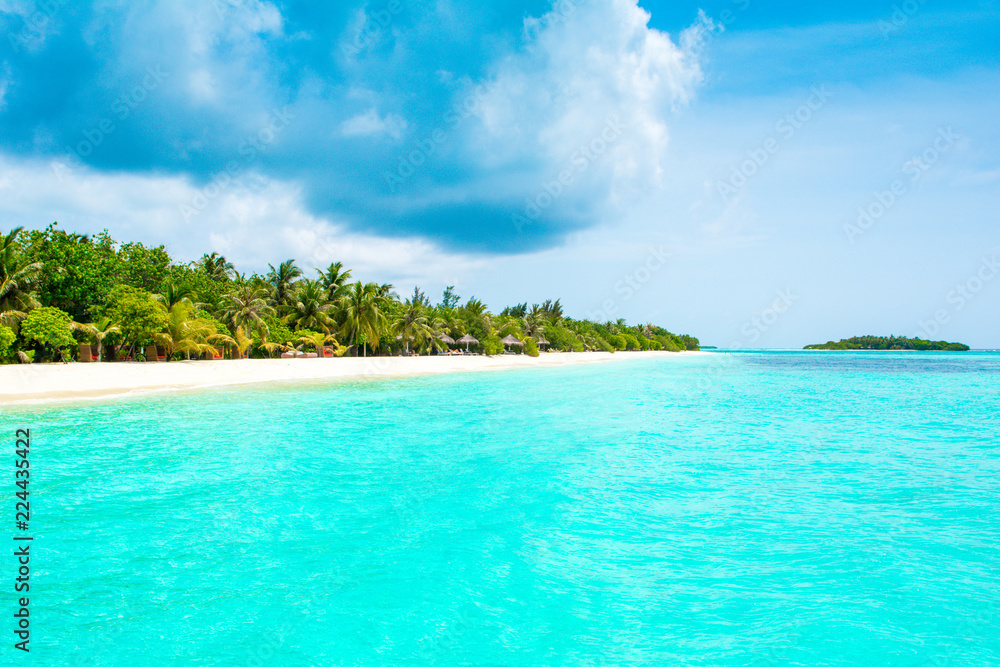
x=618 y=341
x=563 y=339
x=7 y=339
x=604 y=345
x=492 y=345
x=530 y=347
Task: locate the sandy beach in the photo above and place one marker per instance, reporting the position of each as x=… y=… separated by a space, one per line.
x=42 y=383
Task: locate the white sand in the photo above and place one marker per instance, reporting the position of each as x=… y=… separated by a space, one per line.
x=42 y=383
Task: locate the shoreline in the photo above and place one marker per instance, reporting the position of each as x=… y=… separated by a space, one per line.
x=57 y=383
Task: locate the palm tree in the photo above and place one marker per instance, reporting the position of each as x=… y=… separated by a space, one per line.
x=99 y=330
x=319 y=340
x=475 y=307
x=511 y=326
x=454 y=324
x=308 y=307
x=272 y=347
x=364 y=318
x=246 y=306
x=335 y=280
x=282 y=280
x=533 y=321
x=184 y=332
x=241 y=341
x=520 y=310
x=171 y=294
x=553 y=310
x=412 y=325
x=437 y=329
x=18 y=279
x=216 y=266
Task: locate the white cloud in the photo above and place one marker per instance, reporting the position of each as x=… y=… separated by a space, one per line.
x=253 y=223
x=586 y=64
x=371 y=124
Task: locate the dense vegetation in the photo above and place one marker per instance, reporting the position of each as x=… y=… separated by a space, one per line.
x=59 y=290
x=890 y=343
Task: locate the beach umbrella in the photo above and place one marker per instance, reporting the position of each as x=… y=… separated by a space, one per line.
x=542 y=342
x=445 y=338
x=510 y=340
x=468 y=340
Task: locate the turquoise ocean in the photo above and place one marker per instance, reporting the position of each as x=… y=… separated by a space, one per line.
x=725 y=509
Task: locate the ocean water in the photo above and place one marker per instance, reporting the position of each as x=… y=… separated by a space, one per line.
x=727 y=509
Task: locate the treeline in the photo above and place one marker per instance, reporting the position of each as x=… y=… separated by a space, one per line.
x=59 y=290
x=890 y=343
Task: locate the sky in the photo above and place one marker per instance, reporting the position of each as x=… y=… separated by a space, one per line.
x=757 y=174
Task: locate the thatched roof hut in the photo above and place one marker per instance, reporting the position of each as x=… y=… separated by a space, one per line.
x=509 y=341
x=468 y=340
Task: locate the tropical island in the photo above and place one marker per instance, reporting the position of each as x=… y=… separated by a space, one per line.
x=72 y=297
x=890 y=343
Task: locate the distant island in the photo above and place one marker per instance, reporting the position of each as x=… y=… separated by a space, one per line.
x=890 y=343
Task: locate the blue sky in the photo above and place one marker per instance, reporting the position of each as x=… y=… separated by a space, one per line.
x=757 y=174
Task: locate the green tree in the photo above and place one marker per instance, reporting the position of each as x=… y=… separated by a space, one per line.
x=246 y=306
x=450 y=298
x=334 y=279
x=141 y=266
x=437 y=329
x=49 y=327
x=19 y=276
x=171 y=294
x=215 y=267
x=411 y=324
x=282 y=280
x=553 y=310
x=420 y=298
x=7 y=338
x=364 y=317
x=77 y=272
x=184 y=332
x=533 y=321
x=308 y=307
x=138 y=314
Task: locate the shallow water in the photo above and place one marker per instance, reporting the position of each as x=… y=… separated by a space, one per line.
x=728 y=509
